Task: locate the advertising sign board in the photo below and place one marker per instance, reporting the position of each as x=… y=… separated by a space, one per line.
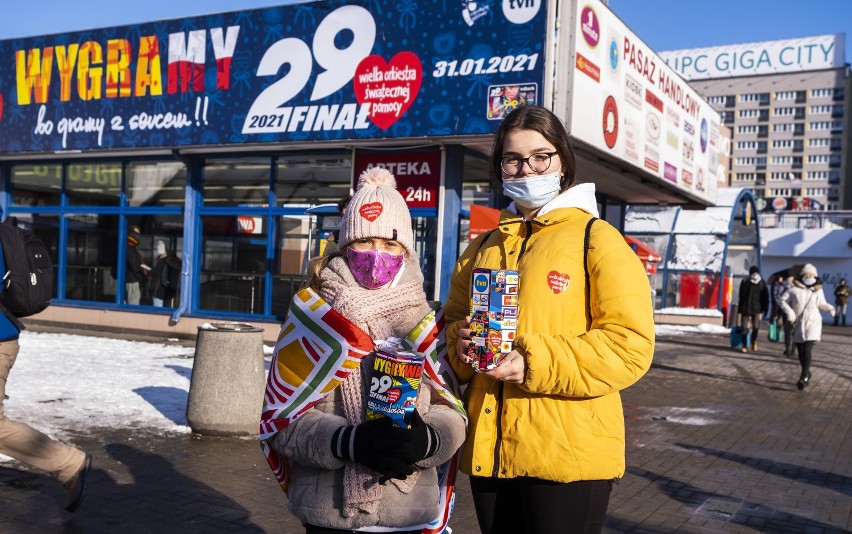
x=769 y=57
x=336 y=69
x=418 y=174
x=626 y=102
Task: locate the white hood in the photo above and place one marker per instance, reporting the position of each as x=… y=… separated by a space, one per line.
x=579 y=196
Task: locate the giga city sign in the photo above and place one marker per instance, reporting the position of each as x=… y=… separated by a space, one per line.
x=768 y=57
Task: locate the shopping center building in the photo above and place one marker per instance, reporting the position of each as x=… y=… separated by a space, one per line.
x=787 y=104
x=230 y=137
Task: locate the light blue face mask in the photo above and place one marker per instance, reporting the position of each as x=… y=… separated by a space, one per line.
x=533 y=192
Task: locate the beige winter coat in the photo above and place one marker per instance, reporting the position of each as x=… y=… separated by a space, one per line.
x=316 y=493
x=802 y=305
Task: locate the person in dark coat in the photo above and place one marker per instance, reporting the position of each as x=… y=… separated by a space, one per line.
x=841 y=301
x=165 y=277
x=754 y=301
x=136 y=269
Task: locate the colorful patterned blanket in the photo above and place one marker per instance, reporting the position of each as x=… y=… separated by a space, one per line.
x=317 y=349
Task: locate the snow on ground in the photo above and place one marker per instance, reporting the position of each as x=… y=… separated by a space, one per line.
x=65 y=384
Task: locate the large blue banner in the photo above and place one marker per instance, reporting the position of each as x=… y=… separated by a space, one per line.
x=315 y=71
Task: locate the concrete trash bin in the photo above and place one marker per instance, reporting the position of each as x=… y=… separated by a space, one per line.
x=228 y=380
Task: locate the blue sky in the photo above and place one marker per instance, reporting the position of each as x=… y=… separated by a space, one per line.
x=662 y=24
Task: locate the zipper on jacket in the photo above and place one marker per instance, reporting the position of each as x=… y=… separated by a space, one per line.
x=496 y=469
x=524 y=242
x=499 y=412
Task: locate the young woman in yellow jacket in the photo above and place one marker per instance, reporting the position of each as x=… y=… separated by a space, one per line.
x=546 y=432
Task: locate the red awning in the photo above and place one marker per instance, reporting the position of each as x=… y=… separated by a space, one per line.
x=644 y=252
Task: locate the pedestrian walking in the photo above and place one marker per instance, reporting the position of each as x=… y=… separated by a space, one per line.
x=546 y=435
x=67 y=464
x=841 y=301
x=753 y=304
x=802 y=304
x=343 y=471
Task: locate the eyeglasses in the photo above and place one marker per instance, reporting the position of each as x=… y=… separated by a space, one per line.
x=538 y=162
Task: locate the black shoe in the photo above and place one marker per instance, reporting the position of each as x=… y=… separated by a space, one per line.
x=803 y=381
x=77 y=490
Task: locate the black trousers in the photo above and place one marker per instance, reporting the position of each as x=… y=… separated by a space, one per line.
x=805 y=350
x=754 y=322
x=533 y=506
x=788 y=337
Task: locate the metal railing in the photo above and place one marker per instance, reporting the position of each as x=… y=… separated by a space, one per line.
x=807 y=220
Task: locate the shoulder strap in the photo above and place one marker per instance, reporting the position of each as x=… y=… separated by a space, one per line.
x=586 y=238
x=487 y=235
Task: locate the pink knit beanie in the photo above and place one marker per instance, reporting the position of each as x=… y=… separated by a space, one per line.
x=377 y=210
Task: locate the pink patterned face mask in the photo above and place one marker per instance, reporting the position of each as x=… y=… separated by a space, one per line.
x=373 y=268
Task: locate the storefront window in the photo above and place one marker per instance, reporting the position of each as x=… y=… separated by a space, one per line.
x=243 y=182
x=309 y=180
x=153 y=229
x=291 y=256
x=36 y=185
x=94 y=184
x=161 y=183
x=233 y=263
x=476 y=189
x=91 y=257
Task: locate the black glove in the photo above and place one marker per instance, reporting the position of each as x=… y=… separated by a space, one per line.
x=386 y=448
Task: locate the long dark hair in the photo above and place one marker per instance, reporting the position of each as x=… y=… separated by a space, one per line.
x=543 y=121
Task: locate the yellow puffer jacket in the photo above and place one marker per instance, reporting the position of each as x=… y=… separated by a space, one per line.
x=565 y=422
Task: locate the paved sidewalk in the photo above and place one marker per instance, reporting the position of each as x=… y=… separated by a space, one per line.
x=718 y=441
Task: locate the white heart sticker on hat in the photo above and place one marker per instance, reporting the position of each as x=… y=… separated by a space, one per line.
x=371 y=211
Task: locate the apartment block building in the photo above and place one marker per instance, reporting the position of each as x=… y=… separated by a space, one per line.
x=787 y=104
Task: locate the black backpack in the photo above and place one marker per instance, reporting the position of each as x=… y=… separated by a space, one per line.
x=28 y=280
x=169 y=276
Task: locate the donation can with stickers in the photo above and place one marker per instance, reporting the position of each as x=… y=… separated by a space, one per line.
x=494 y=315
x=394 y=385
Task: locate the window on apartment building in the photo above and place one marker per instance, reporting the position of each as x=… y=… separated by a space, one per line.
x=782 y=143
x=716 y=99
x=825 y=125
x=785 y=176
x=785 y=95
x=779 y=192
x=747 y=129
x=761 y=98
x=783 y=127
x=820 y=110
x=749 y=113
x=759 y=161
x=825 y=92
x=784 y=112
x=818 y=158
x=819 y=142
x=831 y=176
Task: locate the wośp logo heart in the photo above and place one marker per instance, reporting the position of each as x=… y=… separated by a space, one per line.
x=389 y=87
x=371 y=211
x=557 y=281
x=393 y=395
